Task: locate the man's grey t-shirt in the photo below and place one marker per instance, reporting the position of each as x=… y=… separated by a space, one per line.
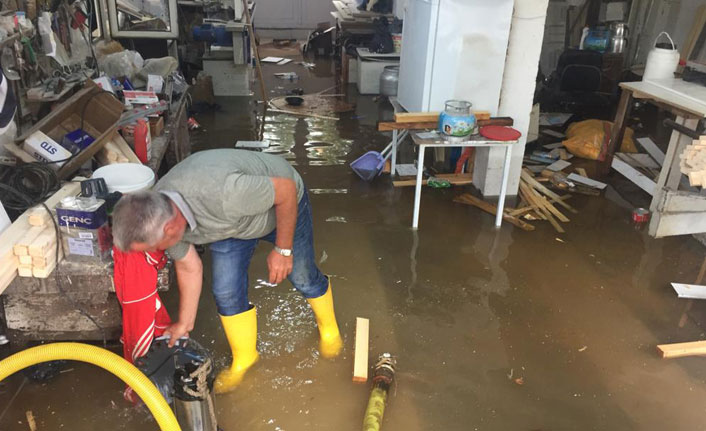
x=229 y=193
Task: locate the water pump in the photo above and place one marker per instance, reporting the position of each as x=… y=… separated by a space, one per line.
x=184 y=374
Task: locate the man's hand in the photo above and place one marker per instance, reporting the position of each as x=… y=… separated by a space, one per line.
x=280 y=267
x=176 y=331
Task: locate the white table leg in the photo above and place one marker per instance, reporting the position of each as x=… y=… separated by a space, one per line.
x=418 y=187
x=503 y=186
x=393 y=159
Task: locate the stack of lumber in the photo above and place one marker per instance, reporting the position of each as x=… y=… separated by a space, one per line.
x=116 y=150
x=537 y=202
x=28 y=246
x=540 y=203
x=693 y=162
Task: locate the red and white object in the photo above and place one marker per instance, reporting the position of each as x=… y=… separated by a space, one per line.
x=143 y=140
x=140 y=97
x=144 y=315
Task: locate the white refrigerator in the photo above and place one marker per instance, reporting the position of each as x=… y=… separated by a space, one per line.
x=453 y=49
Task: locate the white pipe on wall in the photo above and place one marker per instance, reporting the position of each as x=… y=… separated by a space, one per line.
x=516 y=95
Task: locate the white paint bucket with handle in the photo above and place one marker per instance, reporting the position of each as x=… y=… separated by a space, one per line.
x=661 y=62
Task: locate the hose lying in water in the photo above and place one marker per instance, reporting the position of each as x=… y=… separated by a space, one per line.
x=383 y=377
x=109 y=361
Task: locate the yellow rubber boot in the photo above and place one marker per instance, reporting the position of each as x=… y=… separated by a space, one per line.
x=241 y=331
x=330 y=344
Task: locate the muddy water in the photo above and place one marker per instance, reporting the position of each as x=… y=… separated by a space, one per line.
x=493 y=329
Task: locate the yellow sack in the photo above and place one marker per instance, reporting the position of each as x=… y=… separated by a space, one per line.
x=589 y=139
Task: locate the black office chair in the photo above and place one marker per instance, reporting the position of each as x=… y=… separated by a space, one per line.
x=575 y=85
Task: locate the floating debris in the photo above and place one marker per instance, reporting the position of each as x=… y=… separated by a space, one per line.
x=328 y=191
x=337 y=219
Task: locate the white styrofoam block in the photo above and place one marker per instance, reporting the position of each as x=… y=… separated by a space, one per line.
x=369 y=75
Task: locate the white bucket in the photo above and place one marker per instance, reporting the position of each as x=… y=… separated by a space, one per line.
x=126 y=177
x=661 y=62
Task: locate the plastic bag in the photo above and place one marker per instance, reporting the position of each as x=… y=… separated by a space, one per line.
x=589 y=139
x=124 y=63
x=155 y=66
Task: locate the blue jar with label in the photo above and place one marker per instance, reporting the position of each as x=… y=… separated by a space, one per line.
x=457 y=120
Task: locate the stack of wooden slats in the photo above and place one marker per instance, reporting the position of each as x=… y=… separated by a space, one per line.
x=28 y=246
x=538 y=202
x=693 y=162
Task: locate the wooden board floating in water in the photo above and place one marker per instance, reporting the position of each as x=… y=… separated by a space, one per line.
x=362 y=338
x=680 y=350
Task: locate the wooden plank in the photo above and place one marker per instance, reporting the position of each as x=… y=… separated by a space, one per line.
x=39 y=216
x=634 y=175
x=551 y=208
x=529 y=195
x=582 y=179
x=617 y=132
x=21 y=247
x=25 y=260
x=454 y=179
x=416 y=117
x=47 y=260
x=24 y=270
x=652 y=149
x=469 y=199
x=44 y=243
x=527 y=176
x=360 y=363
x=693 y=291
x=391 y=125
x=680 y=350
x=17 y=229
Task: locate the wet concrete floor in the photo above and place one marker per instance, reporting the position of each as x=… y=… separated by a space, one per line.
x=492 y=329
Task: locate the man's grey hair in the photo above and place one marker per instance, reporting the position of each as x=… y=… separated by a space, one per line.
x=140 y=217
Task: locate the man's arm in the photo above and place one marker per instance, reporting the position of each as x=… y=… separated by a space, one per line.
x=286 y=209
x=189 y=271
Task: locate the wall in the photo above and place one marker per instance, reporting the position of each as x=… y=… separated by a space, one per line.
x=293 y=14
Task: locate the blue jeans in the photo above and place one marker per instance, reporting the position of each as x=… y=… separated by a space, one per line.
x=231 y=259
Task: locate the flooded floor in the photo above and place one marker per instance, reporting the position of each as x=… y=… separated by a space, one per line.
x=492 y=329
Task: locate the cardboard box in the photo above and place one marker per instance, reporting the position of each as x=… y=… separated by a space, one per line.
x=100 y=111
x=157 y=126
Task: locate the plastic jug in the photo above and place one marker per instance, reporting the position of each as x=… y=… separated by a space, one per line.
x=661 y=62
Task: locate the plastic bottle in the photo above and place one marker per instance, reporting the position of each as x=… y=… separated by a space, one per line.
x=143 y=140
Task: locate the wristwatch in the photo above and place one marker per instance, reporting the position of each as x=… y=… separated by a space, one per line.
x=286 y=252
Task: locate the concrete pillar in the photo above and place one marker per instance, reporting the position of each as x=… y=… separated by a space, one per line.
x=516 y=95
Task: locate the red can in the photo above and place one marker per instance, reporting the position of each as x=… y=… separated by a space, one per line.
x=640 y=215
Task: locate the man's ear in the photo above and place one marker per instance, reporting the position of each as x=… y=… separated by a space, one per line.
x=171 y=228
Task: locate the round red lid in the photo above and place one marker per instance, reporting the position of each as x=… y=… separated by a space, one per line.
x=500 y=133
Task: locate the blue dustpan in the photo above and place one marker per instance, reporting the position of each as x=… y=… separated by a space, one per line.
x=369 y=165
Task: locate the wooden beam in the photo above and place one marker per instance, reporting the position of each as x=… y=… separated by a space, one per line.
x=454 y=179
x=527 y=176
x=391 y=125
x=680 y=350
x=416 y=117
x=362 y=340
x=617 y=133
x=16 y=231
x=469 y=199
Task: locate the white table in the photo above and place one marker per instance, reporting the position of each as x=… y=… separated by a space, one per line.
x=472 y=141
x=674 y=211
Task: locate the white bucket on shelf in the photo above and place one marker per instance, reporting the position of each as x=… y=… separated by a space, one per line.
x=661 y=62
x=126 y=177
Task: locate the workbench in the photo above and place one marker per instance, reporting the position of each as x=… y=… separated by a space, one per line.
x=674 y=211
x=472 y=141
